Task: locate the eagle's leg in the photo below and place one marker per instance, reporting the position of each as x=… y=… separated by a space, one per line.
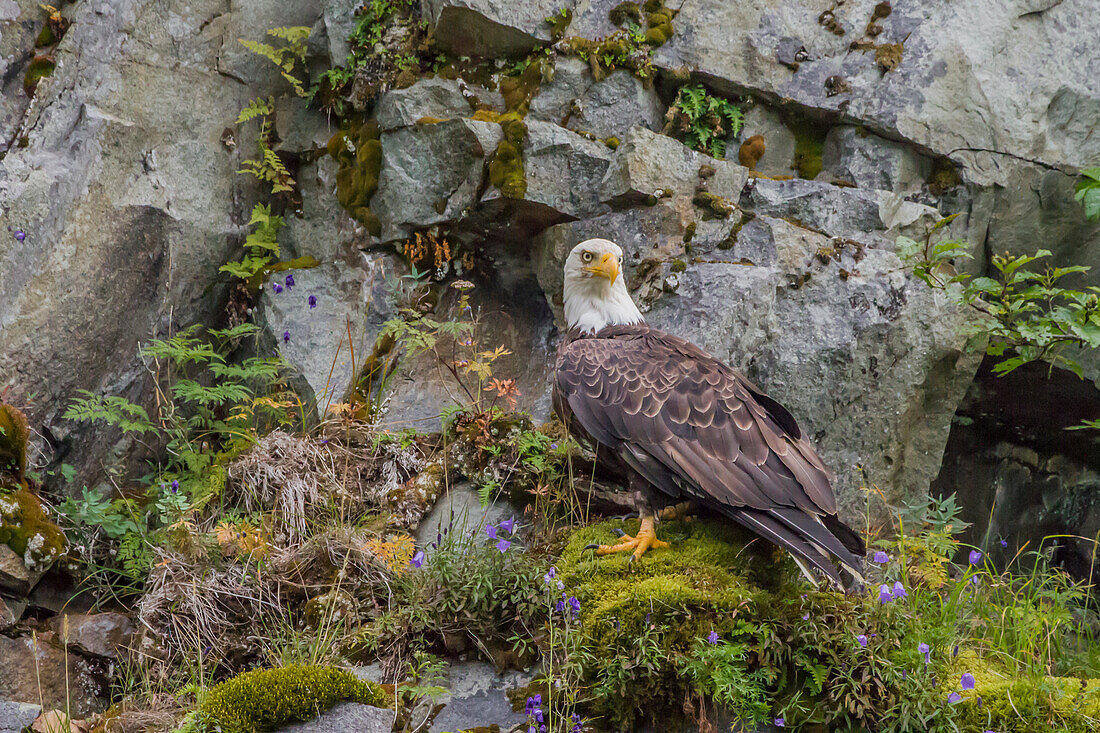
x=645 y=539
x=683 y=510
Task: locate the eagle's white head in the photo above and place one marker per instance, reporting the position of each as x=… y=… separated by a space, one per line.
x=595 y=292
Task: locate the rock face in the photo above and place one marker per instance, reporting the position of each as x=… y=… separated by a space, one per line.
x=103 y=635
x=123 y=191
x=35 y=671
x=346 y=716
x=477 y=698
x=15 y=716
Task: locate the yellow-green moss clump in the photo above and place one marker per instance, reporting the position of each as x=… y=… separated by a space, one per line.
x=14 y=434
x=809 y=144
x=38 y=69
x=625 y=12
x=559 y=23
x=944 y=177
x=506 y=170
x=264 y=698
x=358 y=150
x=713 y=206
x=25 y=528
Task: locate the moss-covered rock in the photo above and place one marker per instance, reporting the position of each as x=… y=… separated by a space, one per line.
x=14 y=434
x=506 y=170
x=358 y=150
x=265 y=698
x=25 y=528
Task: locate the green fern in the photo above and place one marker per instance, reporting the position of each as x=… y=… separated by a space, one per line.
x=704 y=121
x=288 y=57
x=116 y=411
x=258 y=107
x=261 y=246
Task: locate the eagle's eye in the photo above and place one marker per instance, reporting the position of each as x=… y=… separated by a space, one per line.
x=586 y=256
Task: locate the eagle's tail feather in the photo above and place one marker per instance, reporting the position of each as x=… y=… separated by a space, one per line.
x=772 y=529
x=817 y=533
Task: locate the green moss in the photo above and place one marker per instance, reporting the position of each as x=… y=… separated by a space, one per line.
x=689 y=232
x=809 y=144
x=660 y=29
x=358 y=150
x=38 y=69
x=46 y=37
x=944 y=176
x=625 y=12
x=25 y=528
x=713 y=206
x=506 y=170
x=519 y=90
x=611 y=142
x=888 y=56
x=678 y=265
x=1031 y=705
x=266 y=698
x=559 y=23
x=14 y=434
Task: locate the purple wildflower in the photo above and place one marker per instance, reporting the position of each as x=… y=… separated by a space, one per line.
x=417 y=559
x=881 y=557
x=805 y=617
x=967 y=681
x=509 y=525
x=926 y=651
x=553 y=446
x=289 y=281
x=953 y=698
x=20 y=235
x=533 y=703
x=862 y=639
x=575 y=605
x=884 y=594
x=955 y=651
x=975 y=557
x=539 y=716
x=277 y=288
x=899 y=590
x=1004 y=543
x=286 y=337
x=312 y=302
x=503 y=546
x=712 y=637
x=491 y=531
x=780 y=723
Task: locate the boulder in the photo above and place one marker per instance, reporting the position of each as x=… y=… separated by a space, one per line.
x=94 y=634
x=779 y=141
x=36 y=671
x=563 y=172
x=346 y=716
x=608 y=108
x=432 y=99
x=431 y=173
x=477 y=697
x=15 y=716
x=15 y=576
x=870 y=161
x=648 y=164
x=459 y=511
x=326 y=345
x=10 y=614
x=490 y=28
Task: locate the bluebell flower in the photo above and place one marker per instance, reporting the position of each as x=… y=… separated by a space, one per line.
x=712 y=637
x=1004 y=543
x=884 y=594
x=20 y=235
x=175 y=485
x=862 y=639
x=967 y=681
x=805 y=617
x=899 y=590
x=289 y=281
x=286 y=337
x=312 y=302
x=926 y=651
x=503 y=546
x=491 y=531
x=975 y=557
x=780 y=723
x=277 y=288
x=417 y=559
x=509 y=525
x=881 y=557
x=953 y=698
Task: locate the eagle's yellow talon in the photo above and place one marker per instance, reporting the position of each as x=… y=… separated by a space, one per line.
x=646 y=539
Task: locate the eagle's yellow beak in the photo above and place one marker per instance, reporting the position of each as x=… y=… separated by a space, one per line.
x=608 y=267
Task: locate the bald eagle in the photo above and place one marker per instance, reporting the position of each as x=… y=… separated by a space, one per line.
x=676 y=424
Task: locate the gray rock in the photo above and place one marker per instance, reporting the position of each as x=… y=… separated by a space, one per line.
x=320 y=228
x=870 y=161
x=869 y=361
x=96 y=634
x=476 y=697
x=563 y=173
x=339 y=19
x=15 y=716
x=8 y=614
x=459 y=513
x=317 y=348
x=431 y=173
x=14 y=575
x=20 y=22
x=779 y=141
x=299 y=127
x=345 y=717
x=36 y=671
x=838 y=211
x=490 y=28
x=437 y=98
x=650 y=164
x=607 y=108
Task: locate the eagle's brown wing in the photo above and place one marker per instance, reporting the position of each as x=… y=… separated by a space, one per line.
x=693 y=426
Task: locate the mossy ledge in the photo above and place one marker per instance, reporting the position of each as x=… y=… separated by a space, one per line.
x=358 y=150
x=259 y=700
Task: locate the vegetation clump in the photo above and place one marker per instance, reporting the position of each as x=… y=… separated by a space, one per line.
x=506 y=170
x=25 y=528
x=357 y=147
x=702 y=120
x=14 y=433
x=262 y=699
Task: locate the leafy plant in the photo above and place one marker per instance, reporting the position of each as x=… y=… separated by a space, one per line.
x=703 y=121
x=290 y=57
x=1088 y=192
x=261 y=246
x=1025 y=315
